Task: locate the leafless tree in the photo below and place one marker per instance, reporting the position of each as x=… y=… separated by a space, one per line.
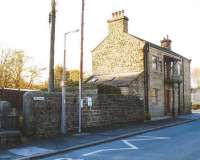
x=195 y=75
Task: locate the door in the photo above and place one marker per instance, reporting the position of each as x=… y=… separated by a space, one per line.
x=167 y=101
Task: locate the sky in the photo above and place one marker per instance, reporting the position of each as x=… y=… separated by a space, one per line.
x=24 y=25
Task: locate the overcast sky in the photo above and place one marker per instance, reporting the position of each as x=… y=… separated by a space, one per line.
x=24 y=25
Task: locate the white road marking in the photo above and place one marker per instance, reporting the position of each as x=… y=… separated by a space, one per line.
x=127 y=142
x=104 y=150
x=67 y=159
x=148 y=138
x=153 y=137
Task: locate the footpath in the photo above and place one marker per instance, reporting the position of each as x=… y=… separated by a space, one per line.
x=45 y=147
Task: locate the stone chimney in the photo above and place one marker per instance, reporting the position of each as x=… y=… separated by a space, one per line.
x=118 y=22
x=166 y=43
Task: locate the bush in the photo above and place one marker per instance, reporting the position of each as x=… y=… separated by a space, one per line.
x=147 y=116
x=106 y=89
x=195 y=106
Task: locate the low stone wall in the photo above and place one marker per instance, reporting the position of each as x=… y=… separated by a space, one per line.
x=9 y=138
x=42 y=111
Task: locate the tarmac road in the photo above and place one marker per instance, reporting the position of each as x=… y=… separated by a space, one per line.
x=180 y=142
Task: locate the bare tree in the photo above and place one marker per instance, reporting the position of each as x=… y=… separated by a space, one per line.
x=196 y=77
x=13 y=70
x=32 y=74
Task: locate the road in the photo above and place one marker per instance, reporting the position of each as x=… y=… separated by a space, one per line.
x=175 y=143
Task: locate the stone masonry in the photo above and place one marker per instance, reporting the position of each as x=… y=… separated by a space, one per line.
x=42 y=117
x=161 y=72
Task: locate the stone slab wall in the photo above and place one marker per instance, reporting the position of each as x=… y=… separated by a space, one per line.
x=42 y=117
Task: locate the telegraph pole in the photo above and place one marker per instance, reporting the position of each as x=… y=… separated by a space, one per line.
x=52 y=21
x=81 y=67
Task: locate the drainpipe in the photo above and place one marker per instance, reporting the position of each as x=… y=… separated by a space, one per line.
x=173 y=93
x=183 y=86
x=146 y=81
x=179 y=100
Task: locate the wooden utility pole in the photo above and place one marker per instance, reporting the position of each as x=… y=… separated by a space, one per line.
x=81 y=66
x=52 y=21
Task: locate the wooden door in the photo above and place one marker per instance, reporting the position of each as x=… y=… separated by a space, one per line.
x=167 y=101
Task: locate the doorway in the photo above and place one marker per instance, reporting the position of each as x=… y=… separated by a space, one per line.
x=167 y=101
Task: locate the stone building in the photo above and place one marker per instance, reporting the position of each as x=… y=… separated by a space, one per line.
x=155 y=73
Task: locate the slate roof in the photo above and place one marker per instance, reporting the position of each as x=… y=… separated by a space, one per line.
x=119 y=80
x=159 y=47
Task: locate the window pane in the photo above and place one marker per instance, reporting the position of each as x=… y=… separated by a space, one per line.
x=179 y=69
x=160 y=65
x=154 y=95
x=154 y=62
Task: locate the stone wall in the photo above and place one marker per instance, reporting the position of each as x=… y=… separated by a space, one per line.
x=187 y=86
x=42 y=117
x=156 y=81
x=118 y=53
x=136 y=87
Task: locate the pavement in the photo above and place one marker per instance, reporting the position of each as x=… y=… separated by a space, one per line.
x=42 y=148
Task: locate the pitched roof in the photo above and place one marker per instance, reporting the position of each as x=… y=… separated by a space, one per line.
x=118 y=80
x=150 y=44
x=159 y=47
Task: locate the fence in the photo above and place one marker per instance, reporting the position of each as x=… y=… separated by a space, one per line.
x=14 y=96
x=9 y=122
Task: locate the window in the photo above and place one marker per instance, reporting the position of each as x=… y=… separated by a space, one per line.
x=179 y=69
x=157 y=63
x=160 y=66
x=154 y=95
x=171 y=68
x=154 y=62
x=124 y=90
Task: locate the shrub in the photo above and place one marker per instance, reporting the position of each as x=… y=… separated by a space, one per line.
x=107 y=89
x=147 y=116
x=195 y=106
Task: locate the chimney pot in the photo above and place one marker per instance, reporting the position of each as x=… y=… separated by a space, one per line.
x=118 y=22
x=120 y=13
x=166 y=43
x=113 y=15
